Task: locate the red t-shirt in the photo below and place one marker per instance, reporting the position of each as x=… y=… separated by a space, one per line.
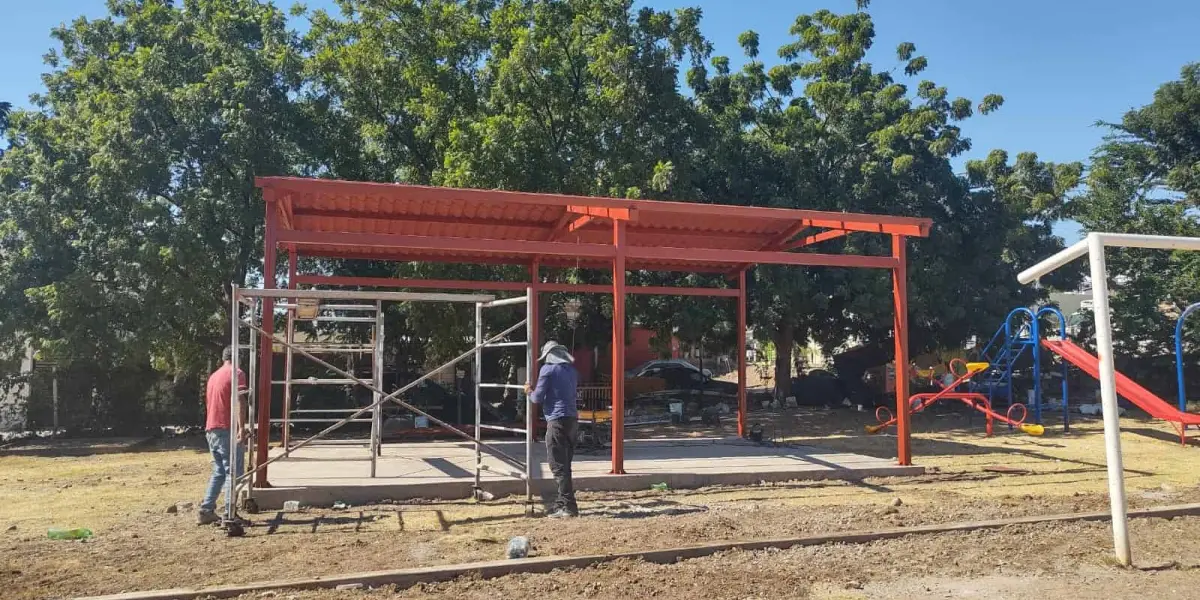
x=217 y=397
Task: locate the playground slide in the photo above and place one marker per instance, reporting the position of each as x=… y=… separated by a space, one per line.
x=1126 y=387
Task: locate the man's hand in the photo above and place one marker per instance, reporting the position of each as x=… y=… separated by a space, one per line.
x=243 y=434
x=528 y=388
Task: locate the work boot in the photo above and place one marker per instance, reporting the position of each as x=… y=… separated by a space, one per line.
x=207 y=517
x=563 y=513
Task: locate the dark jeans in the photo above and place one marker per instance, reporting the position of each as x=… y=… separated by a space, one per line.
x=560 y=451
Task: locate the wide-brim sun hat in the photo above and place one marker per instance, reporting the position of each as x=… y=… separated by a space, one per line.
x=555 y=353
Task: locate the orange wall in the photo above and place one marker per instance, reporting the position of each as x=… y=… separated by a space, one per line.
x=637 y=351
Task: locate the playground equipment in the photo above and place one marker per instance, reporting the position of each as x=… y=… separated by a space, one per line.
x=1008 y=345
x=1105 y=371
x=975 y=400
x=1179 y=354
x=1127 y=388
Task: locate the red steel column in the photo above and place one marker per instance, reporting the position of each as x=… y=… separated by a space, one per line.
x=900 y=300
x=741 y=345
x=535 y=335
x=618 y=351
x=292 y=259
x=289 y=358
x=266 y=344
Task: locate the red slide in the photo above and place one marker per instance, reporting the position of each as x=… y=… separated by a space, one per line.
x=1126 y=387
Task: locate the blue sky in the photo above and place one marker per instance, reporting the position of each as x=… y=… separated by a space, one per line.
x=1060 y=64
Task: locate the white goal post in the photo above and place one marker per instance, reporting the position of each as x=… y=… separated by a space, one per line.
x=1093 y=246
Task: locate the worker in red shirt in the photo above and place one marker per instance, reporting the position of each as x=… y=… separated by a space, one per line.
x=217 y=430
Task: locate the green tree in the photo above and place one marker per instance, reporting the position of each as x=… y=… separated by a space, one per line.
x=5 y=108
x=855 y=138
x=1145 y=178
x=128 y=205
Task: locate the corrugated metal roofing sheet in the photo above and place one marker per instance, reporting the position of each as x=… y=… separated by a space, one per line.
x=403 y=222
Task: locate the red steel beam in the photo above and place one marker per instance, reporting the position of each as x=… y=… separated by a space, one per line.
x=781 y=240
x=444 y=244
x=776 y=243
x=827 y=219
x=451 y=244
x=506 y=286
x=741 y=345
x=618 y=350
x=615 y=214
x=764 y=258
x=579 y=223
x=409 y=257
x=832 y=234
x=533 y=345
x=405 y=218
x=547 y=261
x=286 y=212
x=635 y=253
x=266 y=342
x=553 y=232
x=900 y=300
x=556 y=232
x=641 y=290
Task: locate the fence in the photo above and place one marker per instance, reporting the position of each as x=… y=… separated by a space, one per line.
x=86 y=399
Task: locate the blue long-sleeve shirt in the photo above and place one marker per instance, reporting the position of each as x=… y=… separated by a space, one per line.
x=556 y=391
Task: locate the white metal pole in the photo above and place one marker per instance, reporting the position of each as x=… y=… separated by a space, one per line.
x=377 y=369
x=287 y=381
x=478 y=400
x=252 y=397
x=234 y=400
x=530 y=419
x=54 y=395
x=1108 y=399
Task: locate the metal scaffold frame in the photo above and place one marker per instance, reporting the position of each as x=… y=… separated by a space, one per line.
x=530 y=415
x=247 y=307
x=341 y=313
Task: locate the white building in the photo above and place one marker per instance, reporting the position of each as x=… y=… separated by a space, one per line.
x=14 y=398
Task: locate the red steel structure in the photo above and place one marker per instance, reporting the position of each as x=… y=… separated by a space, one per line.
x=393 y=222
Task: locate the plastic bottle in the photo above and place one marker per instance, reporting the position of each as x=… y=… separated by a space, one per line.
x=518 y=547
x=78 y=533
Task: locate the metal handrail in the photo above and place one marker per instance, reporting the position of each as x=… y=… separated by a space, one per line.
x=1037 y=368
x=1179 y=355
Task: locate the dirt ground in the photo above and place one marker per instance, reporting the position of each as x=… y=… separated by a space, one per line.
x=124 y=495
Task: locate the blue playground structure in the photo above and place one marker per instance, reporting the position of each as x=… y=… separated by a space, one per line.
x=1179 y=354
x=1021 y=332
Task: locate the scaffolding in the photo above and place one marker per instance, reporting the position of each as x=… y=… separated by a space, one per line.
x=480 y=385
x=351 y=315
x=247 y=315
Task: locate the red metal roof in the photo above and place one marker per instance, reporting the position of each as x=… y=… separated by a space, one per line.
x=381 y=221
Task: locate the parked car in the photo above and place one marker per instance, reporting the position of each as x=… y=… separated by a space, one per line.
x=668 y=363
x=680 y=374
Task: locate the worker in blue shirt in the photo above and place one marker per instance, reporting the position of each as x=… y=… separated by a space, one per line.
x=556 y=391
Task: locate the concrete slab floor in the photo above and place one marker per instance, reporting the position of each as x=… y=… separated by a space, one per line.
x=321 y=475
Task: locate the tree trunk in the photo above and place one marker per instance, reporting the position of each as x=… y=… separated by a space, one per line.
x=784 y=338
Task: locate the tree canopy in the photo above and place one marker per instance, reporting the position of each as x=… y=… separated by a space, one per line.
x=1145 y=178
x=127 y=204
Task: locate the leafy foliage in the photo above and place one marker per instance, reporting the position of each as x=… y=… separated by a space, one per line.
x=857 y=139
x=127 y=203
x=1143 y=179
x=128 y=197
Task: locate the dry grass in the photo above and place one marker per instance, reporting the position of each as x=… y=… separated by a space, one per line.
x=123 y=497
